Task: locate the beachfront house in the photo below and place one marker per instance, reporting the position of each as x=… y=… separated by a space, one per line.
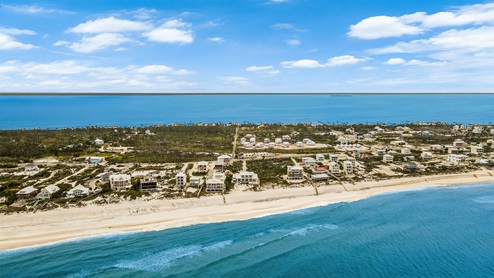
x=286 y=137
x=120 y=182
x=295 y=173
x=320 y=170
x=225 y=159
x=457 y=158
x=202 y=166
x=320 y=177
x=436 y=147
x=348 y=167
x=47 y=192
x=285 y=145
x=278 y=141
x=299 y=144
x=309 y=162
x=180 y=180
x=148 y=184
x=78 y=192
x=398 y=143
x=408 y=158
x=245 y=177
x=334 y=168
x=215 y=185
x=27 y=193
x=195 y=181
x=31 y=168
x=387 y=158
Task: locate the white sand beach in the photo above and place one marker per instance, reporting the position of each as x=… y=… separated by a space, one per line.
x=43 y=227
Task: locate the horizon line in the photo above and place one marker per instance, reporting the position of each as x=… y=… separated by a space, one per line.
x=229 y=93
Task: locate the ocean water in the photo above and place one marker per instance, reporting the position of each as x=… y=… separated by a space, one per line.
x=437 y=232
x=79 y=111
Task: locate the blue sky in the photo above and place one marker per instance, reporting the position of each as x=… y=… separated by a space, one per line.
x=247 y=46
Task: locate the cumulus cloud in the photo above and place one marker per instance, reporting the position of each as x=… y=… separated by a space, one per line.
x=413 y=62
x=472 y=39
x=172 y=32
x=382 y=27
x=331 y=62
x=109 y=25
x=395 y=61
x=377 y=27
x=266 y=70
x=8 y=42
x=16 y=32
x=98 y=42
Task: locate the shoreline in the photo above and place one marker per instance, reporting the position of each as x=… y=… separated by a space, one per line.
x=28 y=230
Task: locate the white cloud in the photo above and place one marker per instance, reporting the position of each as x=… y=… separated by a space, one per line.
x=368 y=68
x=173 y=32
x=331 y=62
x=216 y=39
x=473 y=39
x=344 y=60
x=8 y=43
x=60 y=43
x=109 y=25
x=395 y=61
x=32 y=9
x=77 y=76
x=266 y=70
x=98 y=42
x=283 y=26
x=382 y=27
x=16 y=32
x=236 y=80
x=293 y=42
x=413 y=24
x=278 y=1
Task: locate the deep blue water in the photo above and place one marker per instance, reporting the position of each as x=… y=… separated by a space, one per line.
x=438 y=232
x=79 y=111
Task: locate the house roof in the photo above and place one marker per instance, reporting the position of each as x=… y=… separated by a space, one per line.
x=52 y=188
x=224 y=156
x=79 y=187
x=27 y=190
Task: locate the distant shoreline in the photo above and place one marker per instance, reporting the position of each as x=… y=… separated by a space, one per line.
x=23 y=230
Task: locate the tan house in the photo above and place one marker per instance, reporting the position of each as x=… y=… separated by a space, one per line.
x=47 y=192
x=120 y=182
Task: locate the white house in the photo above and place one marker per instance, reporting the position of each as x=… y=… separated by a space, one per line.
x=387 y=158
x=31 y=168
x=94 y=160
x=459 y=143
x=215 y=185
x=299 y=144
x=398 y=143
x=320 y=157
x=45 y=193
x=245 y=177
x=278 y=141
x=457 y=158
x=477 y=129
x=320 y=177
x=78 y=191
x=333 y=158
x=225 y=159
x=334 y=168
x=426 y=155
x=120 y=182
x=285 y=144
x=476 y=150
x=286 y=137
x=219 y=176
x=436 y=147
x=202 y=166
x=27 y=193
x=180 y=180
x=405 y=151
x=295 y=173
x=348 y=167
x=309 y=162
x=310 y=143
x=195 y=181
x=98 y=141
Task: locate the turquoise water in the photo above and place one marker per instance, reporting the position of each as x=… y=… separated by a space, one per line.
x=438 y=232
x=79 y=111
